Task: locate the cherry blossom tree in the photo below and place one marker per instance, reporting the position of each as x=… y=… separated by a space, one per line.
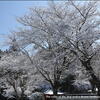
x=13 y=73
x=86 y=34
x=60 y=33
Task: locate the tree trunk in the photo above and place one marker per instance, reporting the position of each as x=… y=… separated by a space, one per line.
x=22 y=94
x=95 y=79
x=55 y=91
x=55 y=87
x=15 y=89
